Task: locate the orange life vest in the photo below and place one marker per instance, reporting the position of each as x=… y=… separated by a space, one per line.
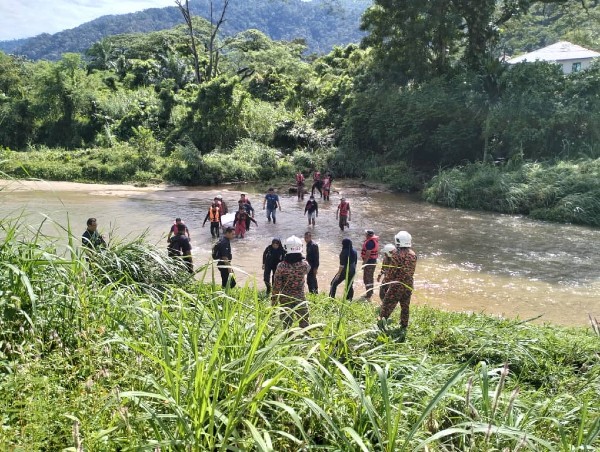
x=366 y=254
x=344 y=207
x=214 y=214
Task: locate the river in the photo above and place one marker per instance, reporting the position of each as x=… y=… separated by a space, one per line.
x=468 y=261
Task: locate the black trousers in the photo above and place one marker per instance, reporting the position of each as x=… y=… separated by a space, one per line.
x=227 y=277
x=215 y=229
x=348 y=287
x=311 y=281
x=268 y=277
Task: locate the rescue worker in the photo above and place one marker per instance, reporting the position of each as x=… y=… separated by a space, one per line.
x=179 y=246
x=222 y=254
x=271 y=202
x=214 y=215
x=385 y=263
x=244 y=201
x=400 y=277
x=312 y=257
x=368 y=254
x=312 y=208
x=221 y=205
x=300 y=185
x=317 y=183
x=173 y=230
x=326 y=188
x=272 y=256
x=288 y=284
x=346 y=271
x=343 y=213
x=91 y=238
x=239 y=222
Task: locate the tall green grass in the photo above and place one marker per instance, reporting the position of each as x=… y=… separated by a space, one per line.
x=564 y=191
x=116 y=352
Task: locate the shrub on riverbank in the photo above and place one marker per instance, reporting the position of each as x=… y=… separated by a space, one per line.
x=562 y=191
x=150 y=364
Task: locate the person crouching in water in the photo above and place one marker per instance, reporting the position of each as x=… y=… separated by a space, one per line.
x=272 y=256
x=346 y=271
x=288 y=284
x=179 y=246
x=385 y=264
x=400 y=277
x=239 y=222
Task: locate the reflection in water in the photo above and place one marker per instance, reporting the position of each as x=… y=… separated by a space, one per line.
x=482 y=262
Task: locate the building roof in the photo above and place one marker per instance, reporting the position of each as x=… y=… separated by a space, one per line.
x=559 y=51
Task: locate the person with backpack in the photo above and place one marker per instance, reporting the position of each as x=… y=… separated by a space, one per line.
x=368 y=254
x=272 y=256
x=346 y=271
x=312 y=209
x=343 y=213
x=288 y=284
x=179 y=246
x=214 y=215
x=221 y=253
x=271 y=202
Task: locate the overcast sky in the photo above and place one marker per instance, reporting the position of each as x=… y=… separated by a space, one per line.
x=25 y=18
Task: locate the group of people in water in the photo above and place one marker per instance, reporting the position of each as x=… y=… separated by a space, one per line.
x=286 y=269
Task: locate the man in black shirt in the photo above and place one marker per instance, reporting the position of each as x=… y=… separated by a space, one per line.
x=272 y=256
x=91 y=238
x=222 y=253
x=179 y=246
x=312 y=257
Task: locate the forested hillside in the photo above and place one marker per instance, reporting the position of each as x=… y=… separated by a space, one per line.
x=409 y=100
x=321 y=23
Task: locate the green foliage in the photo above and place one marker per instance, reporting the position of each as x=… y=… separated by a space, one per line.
x=565 y=191
x=122 y=351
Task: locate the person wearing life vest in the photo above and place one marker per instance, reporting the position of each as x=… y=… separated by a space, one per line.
x=174 y=230
x=368 y=254
x=317 y=183
x=343 y=213
x=300 y=185
x=326 y=188
x=239 y=222
x=214 y=216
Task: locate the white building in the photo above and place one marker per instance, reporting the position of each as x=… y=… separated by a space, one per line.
x=571 y=57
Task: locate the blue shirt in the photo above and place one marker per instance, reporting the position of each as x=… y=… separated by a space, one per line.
x=272 y=200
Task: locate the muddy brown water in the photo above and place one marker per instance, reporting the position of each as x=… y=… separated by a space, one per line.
x=468 y=261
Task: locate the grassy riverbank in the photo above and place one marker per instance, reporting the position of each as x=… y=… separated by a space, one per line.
x=126 y=352
x=565 y=191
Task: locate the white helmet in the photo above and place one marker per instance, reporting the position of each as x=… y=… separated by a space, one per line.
x=387 y=249
x=219 y=197
x=403 y=239
x=293 y=244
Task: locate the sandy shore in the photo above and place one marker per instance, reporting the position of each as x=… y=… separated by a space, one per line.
x=117 y=189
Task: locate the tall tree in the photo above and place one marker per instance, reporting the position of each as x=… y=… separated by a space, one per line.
x=185 y=11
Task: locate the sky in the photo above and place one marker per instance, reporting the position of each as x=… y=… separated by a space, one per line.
x=26 y=18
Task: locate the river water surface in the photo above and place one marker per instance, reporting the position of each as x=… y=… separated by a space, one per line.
x=468 y=261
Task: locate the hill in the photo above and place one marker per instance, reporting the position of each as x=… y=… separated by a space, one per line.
x=320 y=23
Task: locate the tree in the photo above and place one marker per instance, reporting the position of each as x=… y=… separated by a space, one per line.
x=185 y=11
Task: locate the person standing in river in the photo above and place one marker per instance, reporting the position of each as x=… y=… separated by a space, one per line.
x=272 y=256
x=400 y=278
x=343 y=213
x=271 y=202
x=346 y=271
x=288 y=284
x=368 y=254
x=312 y=257
x=214 y=215
x=179 y=246
x=312 y=209
x=222 y=254
x=174 y=229
x=91 y=238
x=300 y=185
